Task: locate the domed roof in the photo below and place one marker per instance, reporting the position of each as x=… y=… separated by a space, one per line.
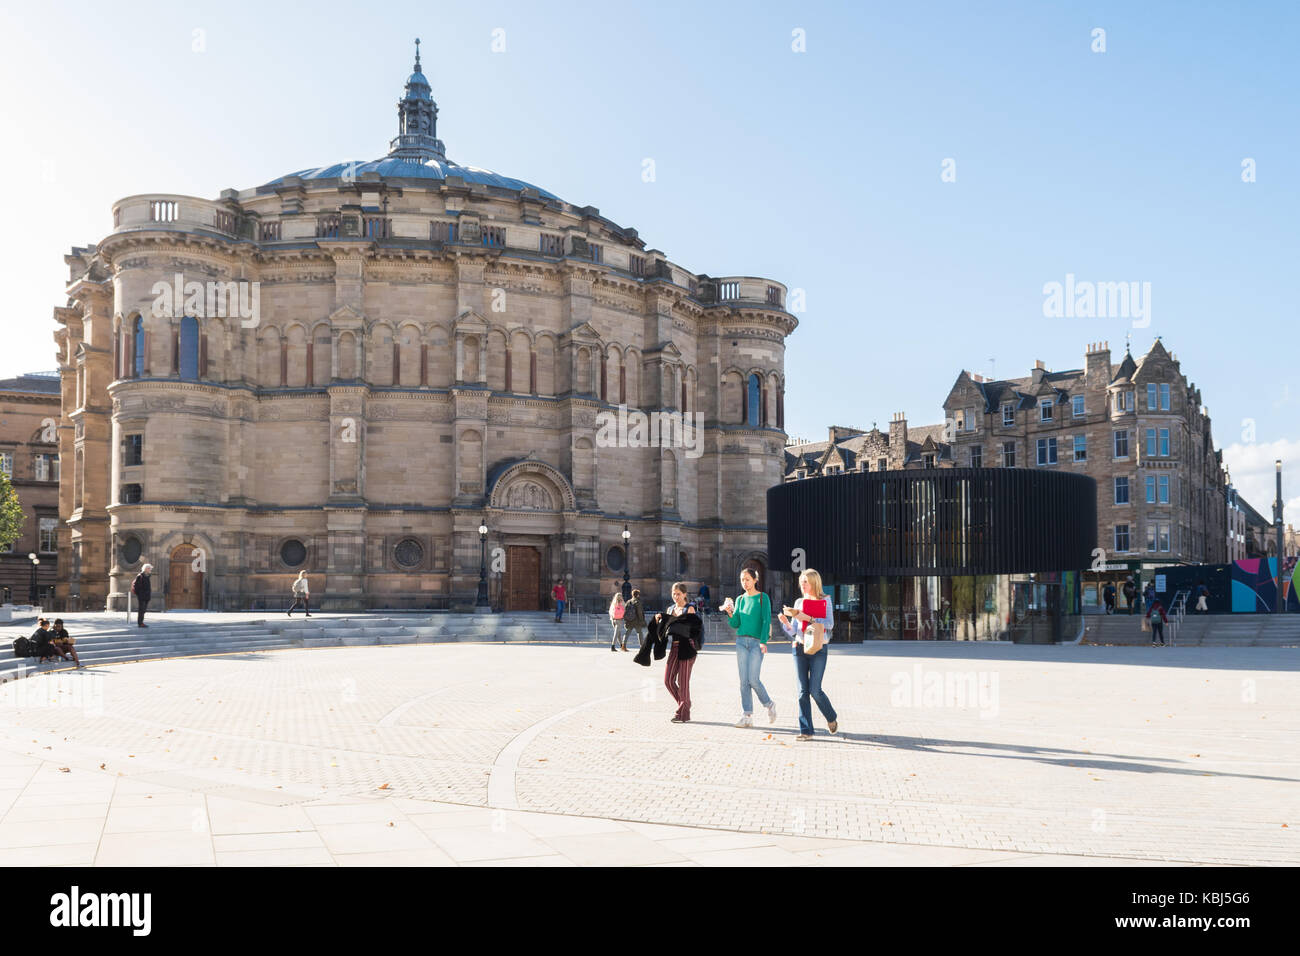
x=416 y=152
x=391 y=167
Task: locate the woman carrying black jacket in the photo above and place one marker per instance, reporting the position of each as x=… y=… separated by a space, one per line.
x=682 y=625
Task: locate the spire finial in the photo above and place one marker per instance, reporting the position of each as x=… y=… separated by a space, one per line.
x=417 y=54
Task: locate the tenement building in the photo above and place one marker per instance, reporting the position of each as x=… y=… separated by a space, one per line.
x=352 y=367
x=1137 y=427
x=29 y=456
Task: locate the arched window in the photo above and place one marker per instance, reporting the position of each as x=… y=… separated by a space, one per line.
x=753 y=402
x=137 y=350
x=189 y=349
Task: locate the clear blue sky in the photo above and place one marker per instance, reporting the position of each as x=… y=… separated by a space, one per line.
x=821 y=169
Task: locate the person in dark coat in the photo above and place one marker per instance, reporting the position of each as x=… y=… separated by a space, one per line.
x=42 y=641
x=686 y=631
x=1130 y=592
x=1108 y=595
x=143 y=591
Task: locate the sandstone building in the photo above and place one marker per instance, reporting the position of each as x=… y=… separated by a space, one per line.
x=29 y=455
x=379 y=357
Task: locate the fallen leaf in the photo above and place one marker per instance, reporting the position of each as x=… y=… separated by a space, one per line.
x=65 y=770
x=101 y=766
x=383 y=786
x=390 y=823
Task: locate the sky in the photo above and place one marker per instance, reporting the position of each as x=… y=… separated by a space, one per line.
x=920 y=171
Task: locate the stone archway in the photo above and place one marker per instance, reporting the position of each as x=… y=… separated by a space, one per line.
x=184 y=581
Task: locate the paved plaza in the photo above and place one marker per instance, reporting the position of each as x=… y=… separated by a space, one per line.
x=554 y=754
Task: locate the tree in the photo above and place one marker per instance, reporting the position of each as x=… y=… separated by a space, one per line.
x=12 y=518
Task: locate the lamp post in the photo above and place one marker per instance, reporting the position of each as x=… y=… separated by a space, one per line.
x=627 y=561
x=31 y=599
x=481 y=605
x=1279 y=605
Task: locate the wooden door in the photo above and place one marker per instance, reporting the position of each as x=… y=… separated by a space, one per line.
x=523 y=578
x=184 y=584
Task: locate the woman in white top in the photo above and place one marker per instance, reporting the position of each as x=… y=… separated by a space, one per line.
x=809 y=668
x=301 y=594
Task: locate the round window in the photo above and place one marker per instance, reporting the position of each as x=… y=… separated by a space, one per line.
x=131 y=548
x=408 y=553
x=293 y=552
x=614 y=559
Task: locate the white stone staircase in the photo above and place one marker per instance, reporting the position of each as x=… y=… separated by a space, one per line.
x=179 y=636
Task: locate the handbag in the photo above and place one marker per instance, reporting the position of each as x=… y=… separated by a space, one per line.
x=814 y=637
x=1146 y=623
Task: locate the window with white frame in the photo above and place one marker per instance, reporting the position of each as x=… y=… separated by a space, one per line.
x=1008 y=415
x=1045 y=410
x=1008 y=454
x=1121 y=489
x=1164 y=397
x=1121 y=443
x=48 y=527
x=1077 y=406
x=976 y=456
x=1080 y=447
x=1121 y=537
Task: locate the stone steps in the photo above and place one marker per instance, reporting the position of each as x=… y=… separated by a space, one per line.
x=114 y=645
x=1214 y=630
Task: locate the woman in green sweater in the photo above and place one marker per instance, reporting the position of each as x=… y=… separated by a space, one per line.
x=750 y=616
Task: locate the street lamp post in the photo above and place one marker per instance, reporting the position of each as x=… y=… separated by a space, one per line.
x=481 y=605
x=1279 y=605
x=627 y=561
x=31 y=599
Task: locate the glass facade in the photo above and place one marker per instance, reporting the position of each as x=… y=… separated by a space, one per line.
x=967 y=554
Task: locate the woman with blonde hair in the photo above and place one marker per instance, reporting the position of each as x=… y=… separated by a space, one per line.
x=616 y=610
x=810 y=668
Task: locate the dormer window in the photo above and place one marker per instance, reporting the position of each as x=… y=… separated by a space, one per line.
x=1045 y=410
x=1008 y=415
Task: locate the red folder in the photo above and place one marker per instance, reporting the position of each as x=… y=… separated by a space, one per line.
x=813 y=608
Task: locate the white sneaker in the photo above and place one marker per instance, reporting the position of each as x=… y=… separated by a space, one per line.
x=771 y=712
x=745 y=721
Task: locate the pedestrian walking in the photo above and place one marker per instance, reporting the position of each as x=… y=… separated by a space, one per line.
x=1202 y=598
x=617 y=608
x=301 y=594
x=63 y=643
x=750 y=616
x=1156 y=615
x=1108 y=595
x=810 y=660
x=680 y=624
x=1149 y=593
x=143 y=591
x=634 y=619
x=704 y=599
x=558 y=594
x=1130 y=593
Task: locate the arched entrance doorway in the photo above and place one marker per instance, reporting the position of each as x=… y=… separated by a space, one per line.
x=184 y=583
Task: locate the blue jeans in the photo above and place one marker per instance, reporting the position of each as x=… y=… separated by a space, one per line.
x=559 y=610
x=809 y=668
x=749 y=661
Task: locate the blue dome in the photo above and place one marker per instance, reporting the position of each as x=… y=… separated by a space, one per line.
x=433 y=169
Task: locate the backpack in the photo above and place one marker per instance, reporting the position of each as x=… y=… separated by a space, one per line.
x=22 y=647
